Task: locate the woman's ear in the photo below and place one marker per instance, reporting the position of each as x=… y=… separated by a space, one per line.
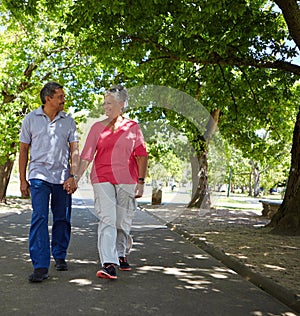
x=122 y=105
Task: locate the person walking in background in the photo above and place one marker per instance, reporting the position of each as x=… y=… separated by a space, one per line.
x=116 y=147
x=51 y=137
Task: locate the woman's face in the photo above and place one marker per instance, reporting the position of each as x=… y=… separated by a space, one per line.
x=112 y=107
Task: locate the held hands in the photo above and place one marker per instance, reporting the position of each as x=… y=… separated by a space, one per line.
x=139 y=190
x=70 y=185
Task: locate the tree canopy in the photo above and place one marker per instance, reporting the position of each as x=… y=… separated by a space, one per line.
x=234 y=57
x=229 y=55
x=33 y=51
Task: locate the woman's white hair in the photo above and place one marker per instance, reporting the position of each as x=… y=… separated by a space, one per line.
x=119 y=92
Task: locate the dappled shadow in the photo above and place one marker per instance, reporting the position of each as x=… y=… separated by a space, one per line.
x=169 y=276
x=242 y=235
x=214 y=217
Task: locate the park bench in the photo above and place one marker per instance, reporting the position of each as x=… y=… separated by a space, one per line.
x=270 y=207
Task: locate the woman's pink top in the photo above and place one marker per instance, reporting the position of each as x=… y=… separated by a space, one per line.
x=116 y=152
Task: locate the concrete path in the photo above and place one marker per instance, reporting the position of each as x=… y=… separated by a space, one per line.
x=170 y=276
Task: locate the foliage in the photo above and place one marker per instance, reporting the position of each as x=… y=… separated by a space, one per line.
x=168 y=168
x=215 y=51
x=33 y=51
x=271 y=172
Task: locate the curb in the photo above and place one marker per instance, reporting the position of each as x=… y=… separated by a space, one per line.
x=287 y=297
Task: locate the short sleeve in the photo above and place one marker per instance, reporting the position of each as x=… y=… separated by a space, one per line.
x=140 y=146
x=73 y=136
x=141 y=151
x=25 y=134
x=90 y=145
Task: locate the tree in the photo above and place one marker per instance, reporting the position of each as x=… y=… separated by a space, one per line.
x=228 y=54
x=287 y=218
x=186 y=37
x=32 y=53
x=184 y=114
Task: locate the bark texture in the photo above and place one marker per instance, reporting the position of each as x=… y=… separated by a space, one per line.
x=287 y=219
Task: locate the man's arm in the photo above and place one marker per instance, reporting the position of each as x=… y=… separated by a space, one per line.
x=74 y=149
x=23 y=161
x=71 y=184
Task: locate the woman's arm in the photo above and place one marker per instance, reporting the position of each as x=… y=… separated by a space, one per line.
x=142 y=162
x=83 y=165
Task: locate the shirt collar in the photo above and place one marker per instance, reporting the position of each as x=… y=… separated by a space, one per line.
x=39 y=111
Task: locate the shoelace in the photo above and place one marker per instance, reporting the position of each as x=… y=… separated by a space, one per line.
x=109 y=265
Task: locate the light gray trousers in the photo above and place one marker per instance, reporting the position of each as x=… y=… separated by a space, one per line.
x=114 y=205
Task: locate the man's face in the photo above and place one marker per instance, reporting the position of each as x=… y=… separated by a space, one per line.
x=57 y=101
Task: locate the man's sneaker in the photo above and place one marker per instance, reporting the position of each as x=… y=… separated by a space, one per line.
x=38 y=275
x=123 y=264
x=108 y=271
x=61 y=265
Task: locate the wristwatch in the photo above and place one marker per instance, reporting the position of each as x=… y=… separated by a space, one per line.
x=141 y=180
x=74 y=176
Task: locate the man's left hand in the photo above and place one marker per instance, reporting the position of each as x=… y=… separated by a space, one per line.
x=70 y=185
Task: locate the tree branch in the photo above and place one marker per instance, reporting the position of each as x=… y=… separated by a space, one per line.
x=291 y=13
x=278 y=64
x=230 y=90
x=216 y=59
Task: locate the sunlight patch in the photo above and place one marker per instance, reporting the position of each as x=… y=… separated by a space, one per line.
x=224 y=270
x=276 y=268
x=218 y=276
x=83 y=261
x=198 y=256
x=81 y=282
x=237 y=256
x=174 y=271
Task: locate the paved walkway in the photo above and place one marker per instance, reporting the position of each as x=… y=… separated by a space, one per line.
x=170 y=276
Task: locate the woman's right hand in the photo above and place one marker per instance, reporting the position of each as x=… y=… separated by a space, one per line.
x=139 y=190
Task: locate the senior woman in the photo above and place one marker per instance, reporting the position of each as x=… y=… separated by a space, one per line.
x=117 y=148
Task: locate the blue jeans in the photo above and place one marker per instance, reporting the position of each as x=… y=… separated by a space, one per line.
x=39 y=241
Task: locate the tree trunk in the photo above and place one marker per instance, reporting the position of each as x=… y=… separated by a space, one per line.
x=250 y=184
x=200 y=193
x=195 y=174
x=256 y=176
x=287 y=219
x=5 y=172
x=256 y=187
